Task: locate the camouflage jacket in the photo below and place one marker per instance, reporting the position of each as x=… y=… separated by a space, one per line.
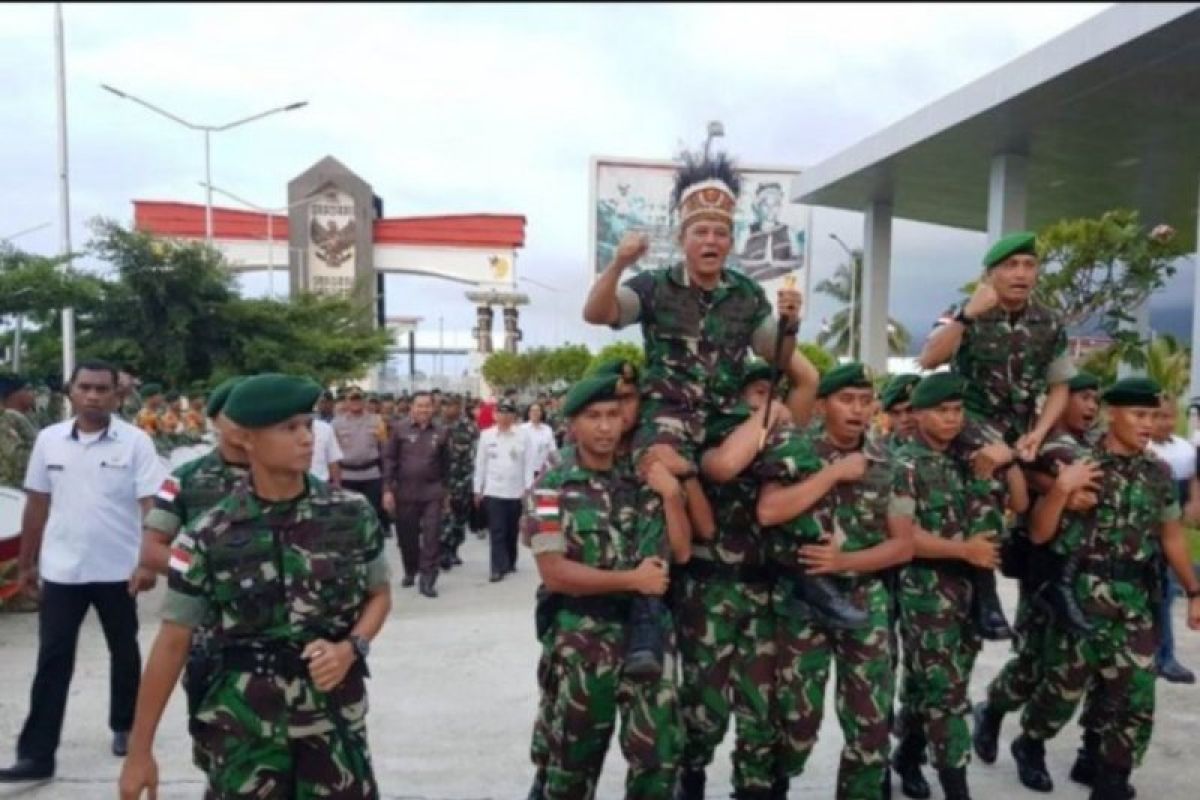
x=1008 y=361
x=277 y=576
x=191 y=490
x=17 y=436
x=463 y=435
x=853 y=513
x=589 y=517
x=1062 y=447
x=696 y=342
x=1136 y=497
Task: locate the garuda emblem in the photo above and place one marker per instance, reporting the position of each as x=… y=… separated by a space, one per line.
x=334 y=245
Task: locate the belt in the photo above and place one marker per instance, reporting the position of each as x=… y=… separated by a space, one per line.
x=610 y=608
x=788 y=573
x=282 y=660
x=951 y=566
x=707 y=569
x=1132 y=571
x=356 y=465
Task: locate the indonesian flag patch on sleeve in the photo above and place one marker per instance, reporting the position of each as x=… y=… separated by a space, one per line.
x=181 y=553
x=548 y=513
x=168 y=491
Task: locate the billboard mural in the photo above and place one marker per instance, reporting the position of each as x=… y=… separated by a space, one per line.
x=771 y=236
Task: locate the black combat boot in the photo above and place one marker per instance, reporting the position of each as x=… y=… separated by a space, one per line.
x=751 y=794
x=954 y=783
x=644 y=653
x=986 y=610
x=538 y=790
x=779 y=789
x=1030 y=755
x=1058 y=597
x=425 y=586
x=690 y=785
x=447 y=562
x=986 y=736
x=1112 y=783
x=907 y=763
x=1088 y=761
x=829 y=604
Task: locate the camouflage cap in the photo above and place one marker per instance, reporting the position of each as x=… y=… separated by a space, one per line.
x=899 y=389
x=1024 y=242
x=938 y=388
x=220 y=395
x=852 y=375
x=1134 y=393
x=587 y=391
x=263 y=400
x=1082 y=382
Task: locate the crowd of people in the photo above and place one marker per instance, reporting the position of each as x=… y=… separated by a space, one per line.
x=716 y=531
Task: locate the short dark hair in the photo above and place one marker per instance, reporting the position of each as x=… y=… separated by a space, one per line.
x=94 y=365
x=422 y=393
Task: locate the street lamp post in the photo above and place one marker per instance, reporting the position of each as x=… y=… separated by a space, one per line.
x=853 y=289
x=715 y=129
x=270 y=212
x=207 y=130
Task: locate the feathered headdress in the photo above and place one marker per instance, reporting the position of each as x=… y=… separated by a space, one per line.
x=705 y=188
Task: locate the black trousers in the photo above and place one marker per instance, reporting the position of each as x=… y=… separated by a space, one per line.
x=373 y=491
x=504 y=517
x=63 y=607
x=419 y=534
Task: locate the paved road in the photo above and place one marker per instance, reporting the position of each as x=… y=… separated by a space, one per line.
x=453 y=696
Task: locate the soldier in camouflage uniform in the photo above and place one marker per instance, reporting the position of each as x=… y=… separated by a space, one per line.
x=585 y=515
x=463 y=434
x=1071 y=439
x=723 y=615
x=832 y=502
x=17 y=435
x=1118 y=542
x=188 y=494
x=292 y=574
x=938 y=495
x=699 y=319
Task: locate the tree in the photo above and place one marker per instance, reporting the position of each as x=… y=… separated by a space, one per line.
x=818 y=356
x=507 y=370
x=836 y=334
x=1169 y=364
x=622 y=351
x=567 y=363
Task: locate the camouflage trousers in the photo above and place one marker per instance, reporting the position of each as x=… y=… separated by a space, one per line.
x=590 y=691
x=727 y=653
x=455 y=521
x=1119 y=657
x=1021 y=674
x=334 y=765
x=940 y=646
x=864 y=689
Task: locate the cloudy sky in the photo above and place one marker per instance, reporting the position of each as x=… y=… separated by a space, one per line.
x=465 y=108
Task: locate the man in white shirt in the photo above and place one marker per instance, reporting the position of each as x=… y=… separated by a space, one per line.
x=89 y=482
x=1180 y=455
x=504 y=467
x=327 y=454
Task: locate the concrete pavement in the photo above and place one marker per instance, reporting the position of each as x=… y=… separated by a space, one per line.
x=453 y=697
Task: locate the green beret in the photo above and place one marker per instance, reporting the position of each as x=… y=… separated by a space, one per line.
x=618 y=368
x=938 y=388
x=171 y=396
x=757 y=369
x=1134 y=392
x=220 y=396
x=1082 y=382
x=898 y=390
x=844 y=376
x=587 y=391
x=150 y=389
x=1024 y=242
x=268 y=399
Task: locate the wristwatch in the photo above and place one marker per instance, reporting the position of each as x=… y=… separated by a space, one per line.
x=361 y=645
x=962 y=317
